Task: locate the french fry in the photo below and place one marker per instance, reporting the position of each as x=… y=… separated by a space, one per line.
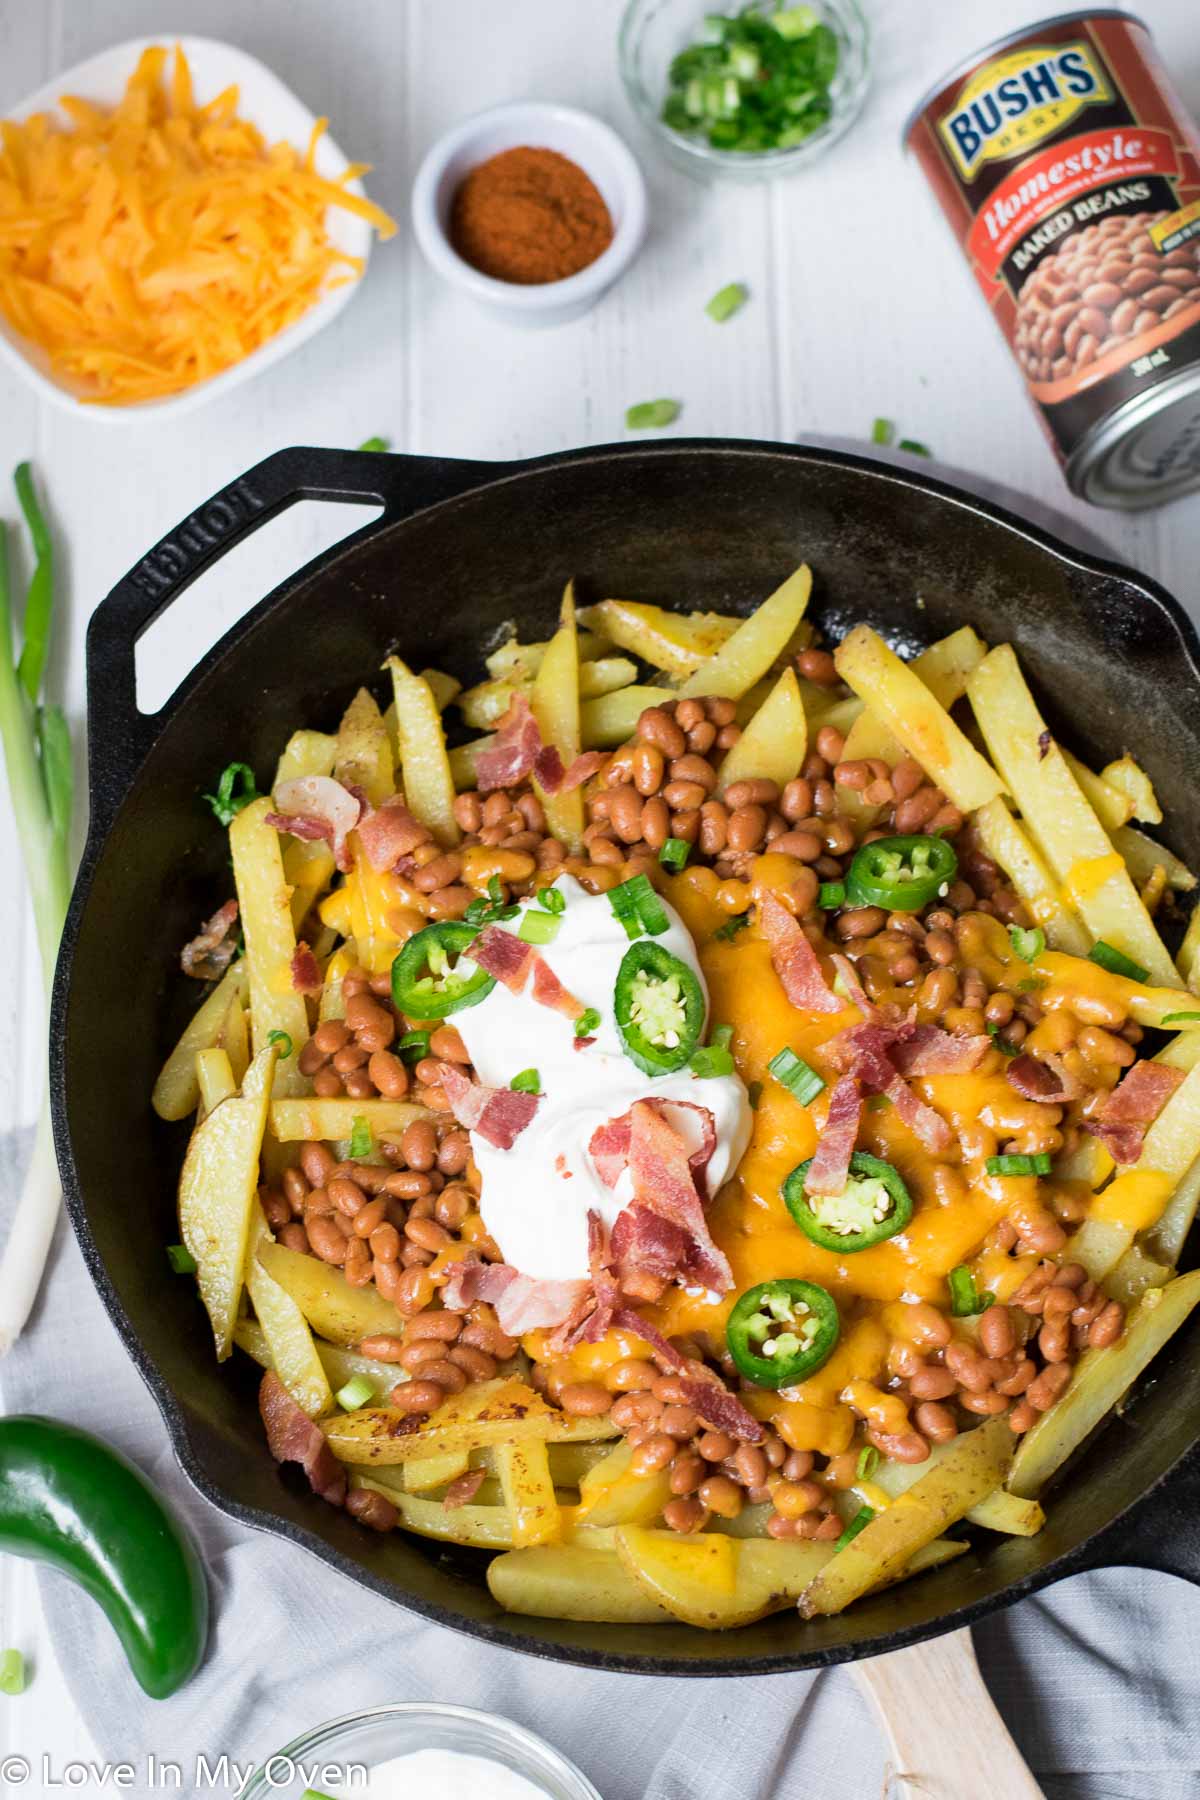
x=896 y=694
x=555 y=703
x=1146 y=1005
x=487 y=1413
x=519 y=663
x=335 y=1310
x=943 y=668
x=976 y=1463
x=997 y=1511
x=218 y=1191
x=608 y=721
x=308 y=869
x=1137 y=1198
x=528 y=1490
x=1165 y=1239
x=293 y=1353
x=424 y=762
x=364 y=752
x=571 y=1581
x=235 y=1040
x=675 y=642
x=324 y=1121
x=1101 y=1379
x=444 y=688
x=1142 y=856
x=176 y=1093
x=717 y=1582
x=756 y=643
x=612 y=1494
x=332 y=1005
x=266 y=920
x=426 y=1474
x=340 y=1364
x=774 y=742
x=485 y=1527
x=1004 y=841
x=214 y=1077
x=305 y=753
x=485 y=705
x=1189 y=953
x=1110 y=805
x=1133 y=781
x=1059 y=817
x=1135 y=1273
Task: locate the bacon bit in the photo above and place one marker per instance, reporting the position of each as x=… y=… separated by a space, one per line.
x=498 y=1114
x=932 y=1051
x=293 y=1437
x=548 y=990
x=510 y=755
x=317 y=806
x=609 y=1144
x=552 y=778
x=867 y=1051
x=529 y=1305
x=1132 y=1107
x=389 y=833
x=1044 y=743
x=581 y=1043
x=210 y=952
x=1043 y=1078
x=660 y=1167
x=855 y=989
x=643 y=1240
x=463 y=1488
x=706 y=1393
x=830 y=1168
x=306 y=973
x=922 y=1121
x=794 y=960
x=503 y=955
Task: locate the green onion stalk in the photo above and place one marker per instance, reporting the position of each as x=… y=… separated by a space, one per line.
x=37 y=759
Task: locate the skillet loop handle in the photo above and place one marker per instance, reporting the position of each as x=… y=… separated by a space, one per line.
x=119 y=735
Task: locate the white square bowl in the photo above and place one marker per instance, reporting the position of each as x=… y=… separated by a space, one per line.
x=278 y=114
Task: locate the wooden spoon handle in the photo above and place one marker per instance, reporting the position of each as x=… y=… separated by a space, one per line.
x=940 y=1722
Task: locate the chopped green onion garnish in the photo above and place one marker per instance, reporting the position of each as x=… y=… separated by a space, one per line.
x=831 y=895
x=625 y=910
x=757 y=80
x=538 y=927
x=868 y=1462
x=1002 y=1044
x=638 y=907
x=12 y=1673
x=754 y=1095
x=1032 y=984
x=235 y=789
x=587 y=1022
x=551 y=900
x=674 y=854
x=859 y=1522
x=283 y=1040
x=376 y=443
x=181 y=1259
x=721 y=1034
x=1116 y=962
x=362 y=1140
x=726 y=302
x=1019 y=1165
x=913 y=447
x=883 y=431
x=414 y=1045
x=1183 y=1018
x=1028 y=944
x=357 y=1392
x=965 y=1297
x=732 y=926
x=713 y=1059
x=527 y=1082
x=652 y=415
x=793 y=1073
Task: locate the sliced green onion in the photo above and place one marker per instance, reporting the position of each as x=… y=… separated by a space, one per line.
x=965 y=1297
x=551 y=900
x=235 y=789
x=914 y=447
x=1002 y=1044
x=859 y=1522
x=12 y=1673
x=283 y=1040
x=731 y=927
x=527 y=1082
x=793 y=1073
x=721 y=1034
x=831 y=895
x=1028 y=944
x=868 y=1462
x=538 y=927
x=625 y=910
x=731 y=299
x=587 y=1022
x=376 y=443
x=1116 y=962
x=414 y=1045
x=1033 y=984
x=362 y=1140
x=357 y=1392
x=712 y=1059
x=1019 y=1165
x=651 y=910
x=883 y=431
x=795 y=21
x=1183 y=1018
x=652 y=415
x=754 y=1095
x=181 y=1259
x=674 y=854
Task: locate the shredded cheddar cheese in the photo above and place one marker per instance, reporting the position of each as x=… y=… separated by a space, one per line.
x=155 y=244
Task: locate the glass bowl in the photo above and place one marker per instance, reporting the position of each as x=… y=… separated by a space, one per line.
x=655 y=31
x=330 y=1757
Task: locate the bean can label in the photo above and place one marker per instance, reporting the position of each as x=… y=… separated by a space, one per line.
x=1070 y=172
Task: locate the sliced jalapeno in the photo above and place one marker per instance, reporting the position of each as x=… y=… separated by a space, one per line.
x=901 y=873
x=659 y=1008
x=873 y=1205
x=781 y=1332
x=433 y=977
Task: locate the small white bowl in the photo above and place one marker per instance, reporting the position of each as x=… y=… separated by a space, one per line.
x=542 y=125
x=278 y=114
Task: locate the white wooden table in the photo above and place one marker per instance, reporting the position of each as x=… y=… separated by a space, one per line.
x=824 y=347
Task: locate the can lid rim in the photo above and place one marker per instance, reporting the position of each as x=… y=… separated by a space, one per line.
x=1093 y=454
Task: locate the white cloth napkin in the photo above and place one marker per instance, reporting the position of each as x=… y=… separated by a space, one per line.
x=1096 y=1679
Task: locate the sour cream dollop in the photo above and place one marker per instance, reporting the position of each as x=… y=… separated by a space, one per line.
x=537 y=1196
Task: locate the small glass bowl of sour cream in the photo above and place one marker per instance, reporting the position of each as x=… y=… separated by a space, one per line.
x=438 y=1752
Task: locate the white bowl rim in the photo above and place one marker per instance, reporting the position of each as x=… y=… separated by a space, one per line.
x=320 y=313
x=547 y=296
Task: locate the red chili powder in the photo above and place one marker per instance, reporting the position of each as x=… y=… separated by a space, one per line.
x=529 y=216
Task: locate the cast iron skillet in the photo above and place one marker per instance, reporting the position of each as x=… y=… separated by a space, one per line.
x=460 y=548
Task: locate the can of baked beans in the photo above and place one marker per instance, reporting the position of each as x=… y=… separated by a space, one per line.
x=1070 y=173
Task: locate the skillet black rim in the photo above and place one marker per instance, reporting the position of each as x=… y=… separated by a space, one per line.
x=307 y=474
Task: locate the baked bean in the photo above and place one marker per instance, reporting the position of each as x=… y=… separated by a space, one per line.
x=687 y=1472
x=656 y=823
x=586 y=1398
x=935 y=1421
x=479 y=1366
x=294 y=1237
x=755 y=792
x=417 y=1396
x=746 y=827
x=371 y=1217
x=750 y=1465
x=625 y=814
x=486 y=1335
x=347 y=1196
x=631 y=1376
x=685 y=1515
x=803 y=845
x=830 y=744
x=385 y=1243
x=715 y=1446
x=927 y=1327
x=316 y=1161
x=1019 y=1381
x=1107 y=1328
x=860 y=922
x=657 y=727
x=684 y=796
x=1049 y=1385
x=421 y=1350
x=679 y=1422
x=654 y=1454
x=904 y=1446
x=326 y=1239
x=722 y=1496
x=686 y=825
x=648 y=766
x=413 y=1291
x=311 y=1058
x=452 y=1206
x=997 y=1334
x=986 y=1404
x=792 y=1498
x=419 y=1144
x=969 y=1367
x=634 y=1409
x=933 y=1383
x=798 y=1464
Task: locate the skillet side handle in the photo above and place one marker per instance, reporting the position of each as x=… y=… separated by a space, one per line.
x=119 y=735
x=935 y=1712
x=1160 y=1532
